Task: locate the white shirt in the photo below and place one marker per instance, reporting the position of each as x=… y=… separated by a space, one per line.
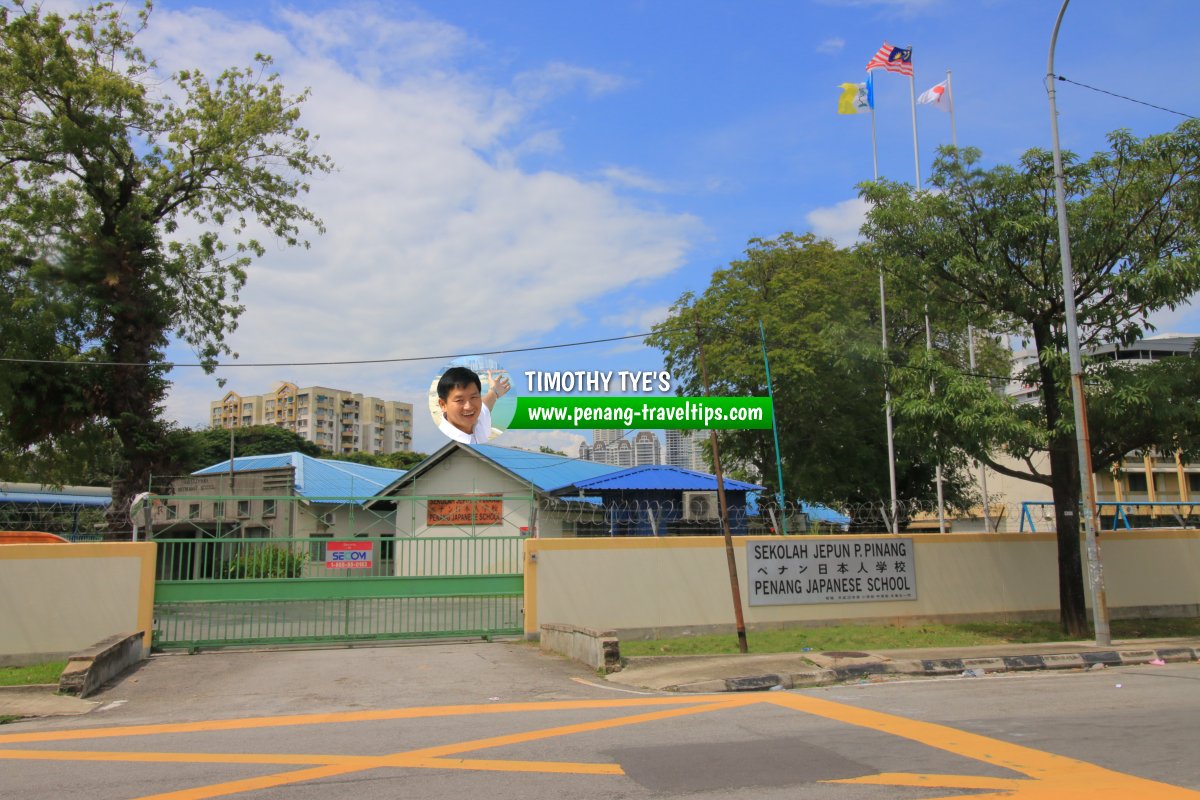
x=478 y=435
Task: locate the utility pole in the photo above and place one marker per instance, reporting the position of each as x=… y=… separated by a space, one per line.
x=1087 y=494
x=724 y=509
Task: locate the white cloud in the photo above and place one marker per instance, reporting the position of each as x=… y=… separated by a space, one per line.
x=638 y=320
x=562 y=441
x=832 y=45
x=632 y=179
x=437 y=243
x=839 y=222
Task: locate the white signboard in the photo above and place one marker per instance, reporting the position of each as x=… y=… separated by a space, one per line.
x=809 y=570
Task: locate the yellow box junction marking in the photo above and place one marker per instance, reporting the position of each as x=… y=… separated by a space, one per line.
x=1047 y=776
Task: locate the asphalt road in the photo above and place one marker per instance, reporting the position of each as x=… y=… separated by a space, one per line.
x=503 y=721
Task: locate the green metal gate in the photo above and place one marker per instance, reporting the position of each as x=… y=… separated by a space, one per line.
x=214 y=592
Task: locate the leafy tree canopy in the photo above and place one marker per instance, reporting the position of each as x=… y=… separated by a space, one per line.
x=983 y=244
x=127 y=201
x=819 y=308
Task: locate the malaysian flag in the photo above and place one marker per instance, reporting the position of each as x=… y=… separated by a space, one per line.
x=893 y=59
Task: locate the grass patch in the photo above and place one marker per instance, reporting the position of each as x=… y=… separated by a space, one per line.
x=888 y=637
x=38 y=673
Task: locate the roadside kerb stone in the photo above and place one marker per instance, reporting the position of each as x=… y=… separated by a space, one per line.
x=834 y=668
x=1133 y=657
x=1063 y=661
x=985 y=664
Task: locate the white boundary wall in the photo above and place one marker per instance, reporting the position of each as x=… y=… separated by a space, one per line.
x=649 y=587
x=57 y=599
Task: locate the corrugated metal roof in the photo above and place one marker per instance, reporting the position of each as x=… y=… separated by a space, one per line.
x=50 y=498
x=317 y=477
x=815 y=511
x=825 y=514
x=544 y=470
x=657 y=477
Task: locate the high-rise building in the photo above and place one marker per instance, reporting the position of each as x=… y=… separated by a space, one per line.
x=616 y=453
x=647 y=449
x=607 y=435
x=336 y=420
x=686 y=449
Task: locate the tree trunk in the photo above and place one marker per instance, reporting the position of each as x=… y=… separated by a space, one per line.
x=1064 y=487
x=136 y=318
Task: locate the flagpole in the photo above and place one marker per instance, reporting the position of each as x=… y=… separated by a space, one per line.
x=950 y=99
x=912 y=95
x=987 y=520
x=887 y=388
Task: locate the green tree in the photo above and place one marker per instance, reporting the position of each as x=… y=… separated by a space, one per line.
x=398 y=460
x=188 y=450
x=104 y=163
x=985 y=242
x=819 y=306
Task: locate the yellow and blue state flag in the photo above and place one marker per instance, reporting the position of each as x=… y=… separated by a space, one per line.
x=856 y=98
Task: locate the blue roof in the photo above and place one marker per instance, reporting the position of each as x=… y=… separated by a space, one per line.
x=814 y=511
x=821 y=513
x=317 y=477
x=656 y=477
x=48 y=498
x=546 y=471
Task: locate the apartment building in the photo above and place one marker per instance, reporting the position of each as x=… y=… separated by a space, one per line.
x=336 y=420
x=647 y=449
x=686 y=449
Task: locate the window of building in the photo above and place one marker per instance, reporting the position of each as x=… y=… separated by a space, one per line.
x=268 y=508
x=316 y=546
x=172 y=511
x=219 y=509
x=1136 y=481
x=1193 y=479
x=193 y=511
x=243 y=507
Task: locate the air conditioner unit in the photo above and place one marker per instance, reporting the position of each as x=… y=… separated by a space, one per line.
x=700 y=506
x=327 y=518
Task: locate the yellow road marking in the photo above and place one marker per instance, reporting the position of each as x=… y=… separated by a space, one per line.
x=1049 y=776
x=429 y=756
x=1044 y=776
x=170 y=758
x=266 y=759
x=250 y=723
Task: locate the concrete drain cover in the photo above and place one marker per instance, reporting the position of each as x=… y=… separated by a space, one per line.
x=846 y=654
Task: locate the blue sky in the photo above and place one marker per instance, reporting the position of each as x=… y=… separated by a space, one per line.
x=529 y=173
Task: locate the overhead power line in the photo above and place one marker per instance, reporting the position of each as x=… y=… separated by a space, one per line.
x=1123 y=97
x=397 y=360
x=883 y=362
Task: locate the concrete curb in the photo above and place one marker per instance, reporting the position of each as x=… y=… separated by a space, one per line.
x=90 y=669
x=967 y=667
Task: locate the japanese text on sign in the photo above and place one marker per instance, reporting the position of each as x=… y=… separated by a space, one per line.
x=838 y=571
x=465 y=511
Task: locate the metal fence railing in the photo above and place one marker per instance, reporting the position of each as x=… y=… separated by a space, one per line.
x=75 y=523
x=264 y=559
x=194 y=625
x=228 y=517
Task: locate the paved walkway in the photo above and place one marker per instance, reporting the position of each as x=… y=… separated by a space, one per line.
x=40 y=701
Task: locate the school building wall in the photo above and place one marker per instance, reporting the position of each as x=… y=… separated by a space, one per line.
x=647 y=587
x=58 y=599
x=461 y=474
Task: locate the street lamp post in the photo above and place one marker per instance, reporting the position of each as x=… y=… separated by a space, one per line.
x=1083 y=446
